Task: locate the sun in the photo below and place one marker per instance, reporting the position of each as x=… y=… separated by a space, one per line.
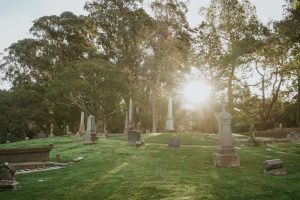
x=196 y=92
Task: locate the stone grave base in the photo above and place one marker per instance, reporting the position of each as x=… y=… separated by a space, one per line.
x=90 y=139
x=226 y=160
x=174 y=142
x=276 y=172
x=8 y=185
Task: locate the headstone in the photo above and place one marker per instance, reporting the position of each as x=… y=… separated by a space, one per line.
x=90 y=136
x=280 y=126
x=170 y=121
x=51 y=130
x=225 y=156
x=81 y=125
x=7 y=177
x=126 y=123
x=274 y=167
x=174 y=142
x=26 y=138
x=134 y=136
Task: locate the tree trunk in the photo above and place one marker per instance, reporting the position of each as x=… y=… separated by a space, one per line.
x=105 y=126
x=154 y=115
x=298 y=99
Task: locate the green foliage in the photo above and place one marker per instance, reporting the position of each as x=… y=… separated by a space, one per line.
x=24 y=112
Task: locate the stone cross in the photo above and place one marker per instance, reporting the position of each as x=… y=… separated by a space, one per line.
x=51 y=130
x=90 y=136
x=226 y=156
x=81 y=126
x=126 y=123
x=170 y=121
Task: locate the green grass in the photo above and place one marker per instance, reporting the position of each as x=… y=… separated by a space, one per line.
x=112 y=170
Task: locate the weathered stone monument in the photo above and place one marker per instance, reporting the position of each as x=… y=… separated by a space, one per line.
x=90 y=136
x=51 y=130
x=126 y=123
x=274 y=167
x=225 y=156
x=81 y=125
x=174 y=142
x=134 y=136
x=170 y=121
x=7 y=177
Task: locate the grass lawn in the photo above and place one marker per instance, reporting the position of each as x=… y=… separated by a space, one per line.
x=111 y=170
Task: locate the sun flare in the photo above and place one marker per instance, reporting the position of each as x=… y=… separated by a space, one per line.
x=196 y=93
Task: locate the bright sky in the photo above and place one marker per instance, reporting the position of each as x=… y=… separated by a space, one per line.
x=16 y=16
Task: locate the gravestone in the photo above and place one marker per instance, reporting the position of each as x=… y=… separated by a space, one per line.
x=134 y=136
x=225 y=156
x=26 y=138
x=274 y=167
x=7 y=177
x=51 y=130
x=90 y=136
x=126 y=123
x=81 y=125
x=170 y=121
x=174 y=142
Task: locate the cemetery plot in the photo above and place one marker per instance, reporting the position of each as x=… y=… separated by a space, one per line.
x=113 y=170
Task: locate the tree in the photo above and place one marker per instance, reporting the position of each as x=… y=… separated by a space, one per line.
x=288 y=31
x=94 y=86
x=165 y=49
x=225 y=40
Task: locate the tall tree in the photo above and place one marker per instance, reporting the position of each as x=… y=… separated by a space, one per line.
x=225 y=39
x=288 y=30
x=165 y=50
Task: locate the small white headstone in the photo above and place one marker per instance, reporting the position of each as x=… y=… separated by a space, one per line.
x=90 y=133
x=51 y=130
